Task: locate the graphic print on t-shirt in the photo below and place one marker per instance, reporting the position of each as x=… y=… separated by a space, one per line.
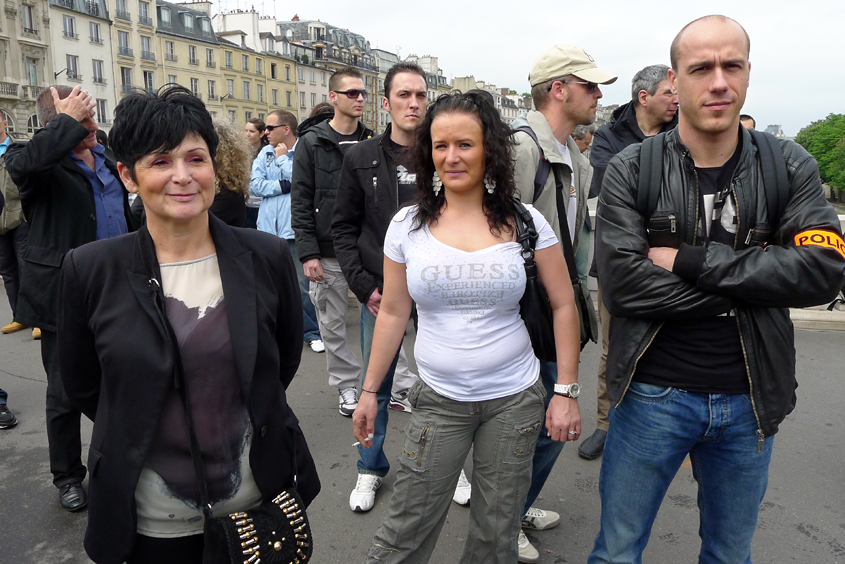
x=472 y=289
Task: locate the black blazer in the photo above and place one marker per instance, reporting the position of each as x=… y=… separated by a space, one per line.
x=117 y=367
x=58 y=202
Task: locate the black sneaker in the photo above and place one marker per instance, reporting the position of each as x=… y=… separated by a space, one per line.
x=7 y=418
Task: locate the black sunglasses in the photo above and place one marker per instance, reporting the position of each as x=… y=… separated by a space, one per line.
x=353 y=93
x=591 y=86
x=269 y=128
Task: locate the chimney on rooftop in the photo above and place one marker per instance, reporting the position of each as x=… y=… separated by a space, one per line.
x=295 y=18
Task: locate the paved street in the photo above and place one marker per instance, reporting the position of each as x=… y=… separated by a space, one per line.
x=802 y=518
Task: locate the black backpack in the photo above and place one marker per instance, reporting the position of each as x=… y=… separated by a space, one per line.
x=775 y=179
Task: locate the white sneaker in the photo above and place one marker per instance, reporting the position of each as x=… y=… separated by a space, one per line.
x=399 y=402
x=317 y=346
x=363 y=497
x=463 y=490
x=347 y=401
x=527 y=553
x=539 y=520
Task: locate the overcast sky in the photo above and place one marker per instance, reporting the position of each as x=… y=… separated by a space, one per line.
x=797 y=54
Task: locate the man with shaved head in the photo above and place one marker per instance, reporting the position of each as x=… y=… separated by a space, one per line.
x=701 y=358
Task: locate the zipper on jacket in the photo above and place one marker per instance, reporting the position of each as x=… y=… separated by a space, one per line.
x=375 y=183
x=422 y=447
x=634 y=369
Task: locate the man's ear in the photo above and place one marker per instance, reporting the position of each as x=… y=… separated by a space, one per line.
x=642 y=98
x=385 y=103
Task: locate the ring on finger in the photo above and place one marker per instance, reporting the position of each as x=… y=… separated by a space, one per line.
x=573 y=432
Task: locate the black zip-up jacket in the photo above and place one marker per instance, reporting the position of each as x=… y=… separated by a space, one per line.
x=58 y=201
x=316 y=171
x=758 y=282
x=623 y=130
x=367 y=199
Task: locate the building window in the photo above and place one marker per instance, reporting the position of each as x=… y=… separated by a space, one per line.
x=228 y=59
x=246 y=90
x=144 y=13
x=287 y=98
x=231 y=116
x=123 y=44
x=188 y=21
x=147 y=49
x=313 y=99
x=247 y=116
x=230 y=88
x=195 y=87
x=287 y=73
x=259 y=66
x=205 y=25
x=28 y=20
x=212 y=88
x=313 y=77
x=209 y=58
x=149 y=85
x=245 y=61
x=323 y=78
x=171 y=78
x=102 y=111
x=169 y=51
x=325 y=98
x=302 y=100
x=192 y=55
x=32 y=71
x=272 y=70
x=98 y=72
x=94 y=28
x=32 y=124
x=301 y=73
x=164 y=20
x=259 y=91
x=126 y=78
x=73 y=67
x=275 y=97
x=70 y=27
x=261 y=116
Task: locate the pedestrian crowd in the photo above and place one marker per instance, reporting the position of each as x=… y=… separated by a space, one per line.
x=171 y=268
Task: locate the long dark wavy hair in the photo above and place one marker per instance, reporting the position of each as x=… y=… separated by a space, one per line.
x=498 y=158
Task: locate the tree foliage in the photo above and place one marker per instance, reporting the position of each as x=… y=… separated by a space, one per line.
x=825 y=140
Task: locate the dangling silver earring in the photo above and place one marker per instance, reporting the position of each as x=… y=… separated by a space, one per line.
x=489 y=183
x=437 y=184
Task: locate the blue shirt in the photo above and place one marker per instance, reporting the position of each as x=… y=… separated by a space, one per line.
x=5 y=145
x=108 y=195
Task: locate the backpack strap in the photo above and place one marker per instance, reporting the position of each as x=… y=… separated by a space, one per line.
x=544 y=167
x=651 y=175
x=775 y=179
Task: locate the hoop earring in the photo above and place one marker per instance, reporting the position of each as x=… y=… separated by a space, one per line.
x=436 y=183
x=489 y=183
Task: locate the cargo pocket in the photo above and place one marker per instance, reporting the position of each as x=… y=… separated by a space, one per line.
x=523 y=441
x=318 y=295
x=416 y=451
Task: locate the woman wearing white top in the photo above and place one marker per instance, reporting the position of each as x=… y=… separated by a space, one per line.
x=455 y=254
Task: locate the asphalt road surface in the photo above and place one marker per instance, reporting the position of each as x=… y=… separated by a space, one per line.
x=802 y=518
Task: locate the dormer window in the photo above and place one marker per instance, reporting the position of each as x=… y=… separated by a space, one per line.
x=165 y=17
x=206 y=26
x=188 y=22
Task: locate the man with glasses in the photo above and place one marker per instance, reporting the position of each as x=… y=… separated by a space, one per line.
x=653 y=109
x=270 y=180
x=565 y=88
x=701 y=360
x=316 y=171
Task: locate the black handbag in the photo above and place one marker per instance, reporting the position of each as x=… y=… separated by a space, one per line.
x=534 y=307
x=277 y=531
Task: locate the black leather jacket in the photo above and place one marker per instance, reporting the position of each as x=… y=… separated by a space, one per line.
x=367 y=199
x=758 y=283
x=316 y=171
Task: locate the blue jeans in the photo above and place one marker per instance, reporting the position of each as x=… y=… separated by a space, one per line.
x=547 y=451
x=372 y=460
x=651 y=432
x=3 y=396
x=309 y=314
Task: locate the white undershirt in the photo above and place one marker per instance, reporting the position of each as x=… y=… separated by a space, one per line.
x=572 y=208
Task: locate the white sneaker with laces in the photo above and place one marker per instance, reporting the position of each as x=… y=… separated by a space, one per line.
x=527 y=553
x=363 y=497
x=463 y=490
x=317 y=346
x=399 y=402
x=347 y=401
x=540 y=520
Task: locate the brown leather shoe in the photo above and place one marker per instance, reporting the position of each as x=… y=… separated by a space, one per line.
x=36 y=334
x=12 y=327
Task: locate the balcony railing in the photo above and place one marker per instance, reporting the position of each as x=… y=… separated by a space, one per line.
x=123 y=15
x=259 y=71
x=65 y=3
x=73 y=75
x=71 y=35
x=148 y=55
x=197 y=94
x=210 y=64
x=125 y=51
x=193 y=61
x=31 y=92
x=30 y=31
x=127 y=88
x=212 y=97
x=99 y=80
x=8 y=89
x=145 y=20
x=97 y=40
x=228 y=65
x=170 y=57
x=163 y=23
x=92 y=8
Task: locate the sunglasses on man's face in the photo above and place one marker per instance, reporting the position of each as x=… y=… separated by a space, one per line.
x=353 y=93
x=269 y=128
x=590 y=86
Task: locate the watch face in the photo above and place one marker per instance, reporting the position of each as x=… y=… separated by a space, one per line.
x=575 y=390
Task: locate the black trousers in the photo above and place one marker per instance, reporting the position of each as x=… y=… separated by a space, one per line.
x=12 y=247
x=63 y=434
x=178 y=550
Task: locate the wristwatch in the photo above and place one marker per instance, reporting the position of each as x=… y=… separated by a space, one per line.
x=568 y=390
